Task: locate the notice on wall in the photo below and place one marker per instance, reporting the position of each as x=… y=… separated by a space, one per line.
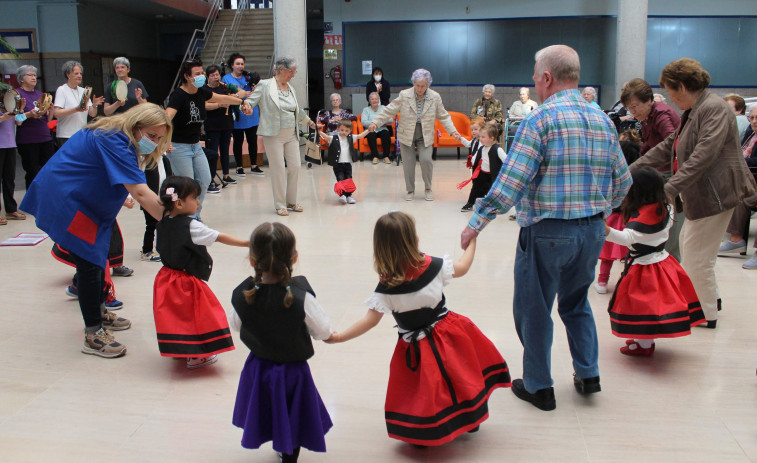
x=367 y=67
x=328 y=28
x=330 y=53
x=332 y=41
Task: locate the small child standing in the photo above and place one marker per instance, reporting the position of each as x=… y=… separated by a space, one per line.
x=342 y=154
x=189 y=320
x=487 y=162
x=613 y=251
x=654 y=297
x=276 y=314
x=443 y=369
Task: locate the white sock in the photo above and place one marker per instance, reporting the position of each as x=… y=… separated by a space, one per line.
x=643 y=343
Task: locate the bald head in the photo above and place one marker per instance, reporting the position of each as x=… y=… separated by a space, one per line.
x=561 y=61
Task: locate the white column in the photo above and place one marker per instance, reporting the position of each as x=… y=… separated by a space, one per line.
x=631 y=49
x=290 y=39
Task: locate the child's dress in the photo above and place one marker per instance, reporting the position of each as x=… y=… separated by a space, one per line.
x=614 y=251
x=654 y=297
x=443 y=369
x=277 y=399
x=189 y=320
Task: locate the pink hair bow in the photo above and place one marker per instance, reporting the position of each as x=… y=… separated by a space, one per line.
x=174 y=196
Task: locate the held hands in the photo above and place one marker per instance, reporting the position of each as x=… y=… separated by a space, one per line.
x=467 y=236
x=129 y=203
x=246 y=109
x=456 y=136
x=372 y=127
x=334 y=338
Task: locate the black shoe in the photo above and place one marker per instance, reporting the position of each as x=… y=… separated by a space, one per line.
x=474 y=429
x=543 y=399
x=240 y=172
x=229 y=180
x=213 y=189
x=586 y=386
x=467 y=208
x=720 y=304
x=122 y=271
x=256 y=171
x=711 y=324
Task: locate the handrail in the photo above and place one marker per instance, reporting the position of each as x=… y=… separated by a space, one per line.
x=242 y=5
x=195 y=41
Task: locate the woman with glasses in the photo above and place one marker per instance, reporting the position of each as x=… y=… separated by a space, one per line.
x=33 y=139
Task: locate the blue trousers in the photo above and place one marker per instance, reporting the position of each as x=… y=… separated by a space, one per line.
x=189 y=160
x=556 y=258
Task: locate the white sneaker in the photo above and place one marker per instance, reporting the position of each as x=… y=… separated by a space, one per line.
x=343 y=199
x=199 y=362
x=600 y=287
x=429 y=195
x=351 y=200
x=410 y=196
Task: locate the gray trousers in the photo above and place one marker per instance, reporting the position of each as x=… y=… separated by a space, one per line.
x=424 y=155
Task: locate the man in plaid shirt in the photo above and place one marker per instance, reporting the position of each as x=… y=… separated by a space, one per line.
x=565 y=171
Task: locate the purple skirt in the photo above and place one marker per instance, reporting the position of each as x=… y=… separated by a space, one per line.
x=279 y=402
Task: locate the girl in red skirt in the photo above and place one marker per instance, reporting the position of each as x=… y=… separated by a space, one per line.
x=443 y=369
x=189 y=320
x=654 y=297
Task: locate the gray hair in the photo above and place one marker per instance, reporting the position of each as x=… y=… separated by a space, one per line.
x=122 y=60
x=284 y=62
x=528 y=92
x=421 y=74
x=21 y=71
x=69 y=66
x=488 y=86
x=591 y=90
x=335 y=95
x=374 y=93
x=561 y=61
x=660 y=95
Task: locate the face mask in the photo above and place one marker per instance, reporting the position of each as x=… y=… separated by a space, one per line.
x=145 y=145
x=199 y=81
x=21 y=117
x=377 y=78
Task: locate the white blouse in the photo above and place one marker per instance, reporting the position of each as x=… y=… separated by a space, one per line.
x=316 y=320
x=628 y=238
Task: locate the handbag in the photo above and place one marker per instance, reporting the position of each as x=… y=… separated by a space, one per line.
x=312 y=150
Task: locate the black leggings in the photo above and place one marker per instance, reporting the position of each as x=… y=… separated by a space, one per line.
x=218 y=141
x=386 y=143
x=252 y=145
x=480 y=186
x=33 y=157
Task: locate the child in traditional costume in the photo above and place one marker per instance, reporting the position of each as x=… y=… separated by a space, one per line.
x=486 y=163
x=189 y=320
x=443 y=369
x=276 y=315
x=342 y=154
x=654 y=297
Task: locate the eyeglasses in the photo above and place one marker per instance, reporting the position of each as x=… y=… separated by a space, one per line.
x=30 y=75
x=752 y=118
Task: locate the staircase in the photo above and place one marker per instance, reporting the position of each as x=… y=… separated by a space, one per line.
x=254 y=40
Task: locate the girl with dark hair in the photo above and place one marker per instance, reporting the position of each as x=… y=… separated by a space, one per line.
x=276 y=315
x=654 y=297
x=443 y=366
x=189 y=320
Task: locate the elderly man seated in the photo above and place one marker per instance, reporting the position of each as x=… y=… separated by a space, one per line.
x=590 y=95
x=738 y=226
x=523 y=105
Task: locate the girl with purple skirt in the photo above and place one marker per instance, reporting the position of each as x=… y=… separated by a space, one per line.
x=276 y=315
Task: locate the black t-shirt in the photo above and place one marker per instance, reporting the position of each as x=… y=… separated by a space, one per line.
x=190 y=114
x=131 y=95
x=218 y=119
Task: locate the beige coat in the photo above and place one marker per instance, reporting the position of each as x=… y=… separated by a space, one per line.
x=433 y=108
x=712 y=176
x=266 y=96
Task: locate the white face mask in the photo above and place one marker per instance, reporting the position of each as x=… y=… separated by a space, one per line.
x=377 y=78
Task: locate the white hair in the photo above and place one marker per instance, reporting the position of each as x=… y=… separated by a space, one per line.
x=421 y=74
x=335 y=95
x=374 y=93
x=489 y=87
x=528 y=92
x=591 y=90
x=660 y=95
x=122 y=60
x=283 y=62
x=561 y=61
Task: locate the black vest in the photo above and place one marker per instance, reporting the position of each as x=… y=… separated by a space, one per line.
x=335 y=149
x=177 y=251
x=495 y=163
x=270 y=330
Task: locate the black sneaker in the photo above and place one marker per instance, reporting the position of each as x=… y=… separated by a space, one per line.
x=240 y=172
x=213 y=189
x=122 y=271
x=256 y=171
x=543 y=399
x=467 y=208
x=229 y=180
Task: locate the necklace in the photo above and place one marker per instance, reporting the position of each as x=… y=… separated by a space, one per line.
x=77 y=97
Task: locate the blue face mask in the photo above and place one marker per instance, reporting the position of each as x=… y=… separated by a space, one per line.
x=199 y=81
x=20 y=117
x=145 y=145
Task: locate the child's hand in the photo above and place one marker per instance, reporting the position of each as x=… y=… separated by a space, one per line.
x=129 y=203
x=333 y=339
x=607 y=229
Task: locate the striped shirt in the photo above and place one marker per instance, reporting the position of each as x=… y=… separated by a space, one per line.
x=419 y=105
x=565 y=163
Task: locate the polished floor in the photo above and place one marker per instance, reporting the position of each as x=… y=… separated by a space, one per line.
x=694 y=401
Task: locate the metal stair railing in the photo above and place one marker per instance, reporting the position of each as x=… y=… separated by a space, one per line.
x=242 y=6
x=199 y=36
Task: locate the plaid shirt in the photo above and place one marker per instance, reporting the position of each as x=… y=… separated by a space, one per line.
x=565 y=163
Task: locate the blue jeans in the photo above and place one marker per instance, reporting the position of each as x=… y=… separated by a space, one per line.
x=556 y=258
x=190 y=161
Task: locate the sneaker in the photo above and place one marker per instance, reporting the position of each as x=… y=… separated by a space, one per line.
x=199 y=362
x=150 y=256
x=410 y=196
x=229 y=180
x=72 y=292
x=387 y=161
x=343 y=199
x=351 y=200
x=103 y=344
x=601 y=288
x=375 y=161
x=213 y=189
x=729 y=247
x=240 y=172
x=114 y=304
x=429 y=195
x=113 y=322
x=751 y=264
x=467 y=208
x=256 y=171
x=122 y=271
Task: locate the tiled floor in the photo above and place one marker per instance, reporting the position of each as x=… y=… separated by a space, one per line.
x=695 y=401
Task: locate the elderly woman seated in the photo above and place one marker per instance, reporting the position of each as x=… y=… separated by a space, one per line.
x=590 y=95
x=659 y=98
x=523 y=105
x=738 y=226
x=487 y=106
x=330 y=119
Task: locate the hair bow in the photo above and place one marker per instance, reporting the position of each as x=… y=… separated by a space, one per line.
x=174 y=196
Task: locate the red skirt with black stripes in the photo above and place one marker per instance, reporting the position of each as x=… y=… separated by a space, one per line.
x=447 y=393
x=189 y=320
x=655 y=301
